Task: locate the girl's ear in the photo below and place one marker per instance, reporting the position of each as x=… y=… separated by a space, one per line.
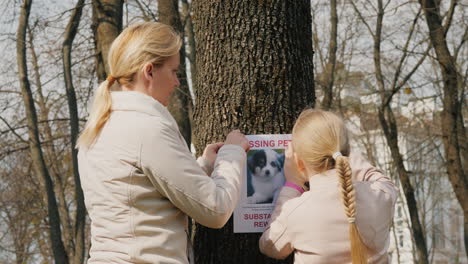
x=299 y=163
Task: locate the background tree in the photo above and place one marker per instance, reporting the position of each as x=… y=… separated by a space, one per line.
x=60 y=255
x=180 y=103
x=80 y=212
x=190 y=36
x=16 y=202
x=453 y=130
x=50 y=150
x=388 y=120
x=254 y=73
x=331 y=64
x=107 y=24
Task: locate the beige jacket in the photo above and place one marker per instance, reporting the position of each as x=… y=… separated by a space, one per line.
x=314 y=225
x=140 y=182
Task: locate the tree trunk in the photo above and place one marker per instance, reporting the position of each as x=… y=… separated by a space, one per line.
x=389 y=126
x=254 y=73
x=451 y=113
x=190 y=35
x=180 y=103
x=330 y=68
x=107 y=24
x=50 y=154
x=40 y=167
x=80 y=213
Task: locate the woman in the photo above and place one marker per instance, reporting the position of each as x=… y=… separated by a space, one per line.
x=346 y=215
x=139 y=179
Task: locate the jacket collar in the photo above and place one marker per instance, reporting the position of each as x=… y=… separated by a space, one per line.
x=139 y=102
x=324 y=178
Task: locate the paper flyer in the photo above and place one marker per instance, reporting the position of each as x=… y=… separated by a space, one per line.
x=263 y=180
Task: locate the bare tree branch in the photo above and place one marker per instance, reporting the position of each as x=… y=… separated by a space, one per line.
x=12 y=130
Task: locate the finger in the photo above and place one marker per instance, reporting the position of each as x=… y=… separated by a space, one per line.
x=218 y=146
x=248 y=147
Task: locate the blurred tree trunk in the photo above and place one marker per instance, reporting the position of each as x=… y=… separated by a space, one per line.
x=107 y=24
x=80 y=213
x=254 y=73
x=452 y=123
x=180 y=103
x=389 y=126
x=50 y=152
x=190 y=35
x=330 y=67
x=60 y=255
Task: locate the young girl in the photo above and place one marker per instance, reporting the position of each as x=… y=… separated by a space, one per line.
x=346 y=215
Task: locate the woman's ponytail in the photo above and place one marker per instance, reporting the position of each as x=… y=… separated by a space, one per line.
x=100 y=112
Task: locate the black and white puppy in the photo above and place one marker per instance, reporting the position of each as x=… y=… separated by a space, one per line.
x=265 y=167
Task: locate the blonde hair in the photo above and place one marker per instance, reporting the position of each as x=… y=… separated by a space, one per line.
x=317 y=135
x=138 y=44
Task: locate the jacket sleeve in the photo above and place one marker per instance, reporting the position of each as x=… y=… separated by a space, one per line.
x=174 y=172
x=276 y=241
x=363 y=171
x=378 y=195
x=205 y=165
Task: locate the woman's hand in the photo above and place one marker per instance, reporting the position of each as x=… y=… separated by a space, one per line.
x=211 y=152
x=235 y=137
x=291 y=171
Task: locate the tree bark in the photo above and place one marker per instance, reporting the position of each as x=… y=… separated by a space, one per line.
x=40 y=167
x=254 y=73
x=451 y=115
x=180 y=103
x=80 y=213
x=107 y=24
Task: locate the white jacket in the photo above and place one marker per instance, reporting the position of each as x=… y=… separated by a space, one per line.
x=140 y=182
x=314 y=225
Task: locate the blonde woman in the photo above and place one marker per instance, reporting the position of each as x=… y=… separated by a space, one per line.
x=139 y=178
x=346 y=215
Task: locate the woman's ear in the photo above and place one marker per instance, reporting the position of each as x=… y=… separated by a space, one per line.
x=148 y=71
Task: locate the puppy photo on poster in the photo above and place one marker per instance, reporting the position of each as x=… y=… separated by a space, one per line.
x=264 y=175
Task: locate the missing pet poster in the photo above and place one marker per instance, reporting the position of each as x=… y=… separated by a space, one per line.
x=263 y=180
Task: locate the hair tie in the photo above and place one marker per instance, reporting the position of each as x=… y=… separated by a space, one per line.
x=351 y=220
x=110 y=79
x=336 y=155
